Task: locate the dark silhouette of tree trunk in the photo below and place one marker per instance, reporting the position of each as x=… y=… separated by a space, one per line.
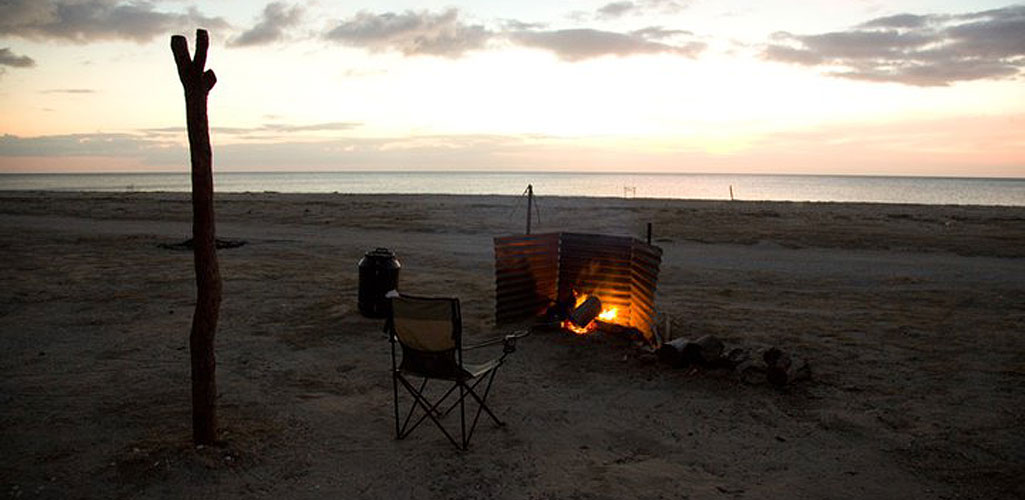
x=197 y=84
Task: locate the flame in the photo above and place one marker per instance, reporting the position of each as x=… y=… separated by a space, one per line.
x=608 y=315
x=579 y=298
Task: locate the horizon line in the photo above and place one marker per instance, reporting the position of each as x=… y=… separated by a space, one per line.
x=521 y=172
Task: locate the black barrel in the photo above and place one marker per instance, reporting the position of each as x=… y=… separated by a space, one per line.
x=378 y=275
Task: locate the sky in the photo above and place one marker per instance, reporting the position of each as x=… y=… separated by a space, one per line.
x=856 y=87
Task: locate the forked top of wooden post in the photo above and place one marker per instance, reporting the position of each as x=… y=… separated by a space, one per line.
x=191 y=70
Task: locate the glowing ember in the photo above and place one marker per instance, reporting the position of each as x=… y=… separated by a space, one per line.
x=608 y=315
x=592 y=326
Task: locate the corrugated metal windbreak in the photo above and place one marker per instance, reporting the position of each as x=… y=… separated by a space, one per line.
x=646 y=261
x=526 y=275
x=619 y=270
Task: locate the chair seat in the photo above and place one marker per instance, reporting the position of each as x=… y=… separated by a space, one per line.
x=472 y=371
x=477 y=369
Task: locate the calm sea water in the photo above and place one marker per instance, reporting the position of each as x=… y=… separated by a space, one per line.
x=919 y=190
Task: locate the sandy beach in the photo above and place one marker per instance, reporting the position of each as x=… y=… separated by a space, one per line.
x=912 y=317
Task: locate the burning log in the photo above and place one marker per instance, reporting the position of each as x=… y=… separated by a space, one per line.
x=585 y=312
x=587 y=315
x=781 y=369
x=619 y=330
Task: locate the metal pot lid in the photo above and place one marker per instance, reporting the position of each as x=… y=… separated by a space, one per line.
x=381 y=253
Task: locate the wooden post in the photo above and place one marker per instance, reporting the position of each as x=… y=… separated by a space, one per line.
x=197 y=83
x=731 y=192
x=530 y=204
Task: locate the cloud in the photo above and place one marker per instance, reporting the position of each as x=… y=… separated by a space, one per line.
x=68 y=91
x=277 y=18
x=514 y=25
x=411 y=33
x=659 y=33
x=666 y=6
x=86 y=21
x=444 y=34
x=147 y=150
x=266 y=127
x=897 y=21
x=581 y=44
x=782 y=53
x=455 y=152
x=8 y=58
x=77 y=145
x=955 y=145
x=615 y=9
x=619 y=9
x=315 y=127
x=921 y=50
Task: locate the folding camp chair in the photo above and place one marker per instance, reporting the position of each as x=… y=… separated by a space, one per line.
x=430 y=333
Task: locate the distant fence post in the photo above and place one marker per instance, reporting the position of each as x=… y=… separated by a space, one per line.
x=530 y=204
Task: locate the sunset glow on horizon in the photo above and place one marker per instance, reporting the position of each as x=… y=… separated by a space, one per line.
x=931 y=88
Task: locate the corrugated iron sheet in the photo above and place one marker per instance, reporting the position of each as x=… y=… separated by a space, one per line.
x=526 y=275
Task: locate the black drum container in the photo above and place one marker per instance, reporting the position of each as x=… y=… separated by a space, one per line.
x=378 y=275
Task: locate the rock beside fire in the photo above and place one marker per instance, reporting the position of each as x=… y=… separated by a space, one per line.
x=681 y=353
x=781 y=369
x=774 y=366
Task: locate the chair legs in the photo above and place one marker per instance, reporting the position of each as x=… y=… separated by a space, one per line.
x=432 y=411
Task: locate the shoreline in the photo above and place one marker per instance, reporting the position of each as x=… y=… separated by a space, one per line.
x=1002 y=191
x=13 y=193
x=519 y=172
x=910 y=315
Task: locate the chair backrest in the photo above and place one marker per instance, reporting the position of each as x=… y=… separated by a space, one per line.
x=426 y=324
x=429 y=330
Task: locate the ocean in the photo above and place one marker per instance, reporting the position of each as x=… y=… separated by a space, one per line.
x=818 y=188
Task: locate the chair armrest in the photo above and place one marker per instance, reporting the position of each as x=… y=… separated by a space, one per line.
x=508 y=341
x=486 y=343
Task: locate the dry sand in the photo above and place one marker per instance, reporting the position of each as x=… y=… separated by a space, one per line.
x=913 y=318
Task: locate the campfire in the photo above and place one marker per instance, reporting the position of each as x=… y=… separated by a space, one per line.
x=586 y=313
x=583 y=282
x=590 y=283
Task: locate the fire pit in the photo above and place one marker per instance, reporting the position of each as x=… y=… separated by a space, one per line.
x=586 y=279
